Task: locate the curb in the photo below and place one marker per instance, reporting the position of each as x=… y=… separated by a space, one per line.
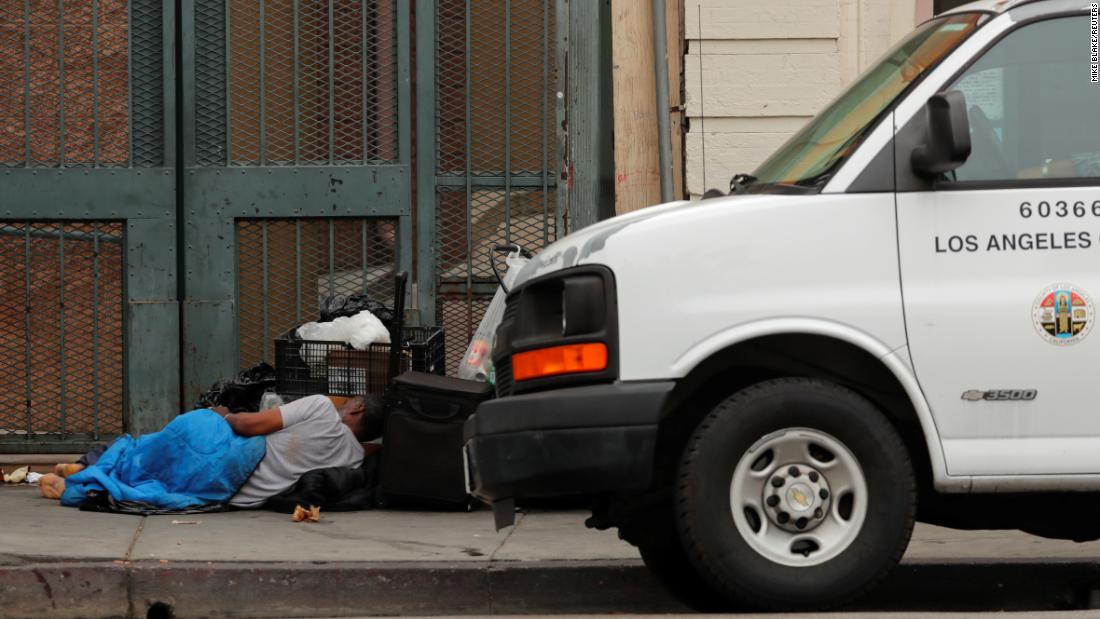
x=120 y=589
x=64 y=590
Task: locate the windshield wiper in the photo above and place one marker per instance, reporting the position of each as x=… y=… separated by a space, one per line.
x=740 y=182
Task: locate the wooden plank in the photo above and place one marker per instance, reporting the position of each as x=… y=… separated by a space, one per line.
x=637 y=175
x=637 y=178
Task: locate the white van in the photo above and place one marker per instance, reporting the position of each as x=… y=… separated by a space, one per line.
x=890 y=320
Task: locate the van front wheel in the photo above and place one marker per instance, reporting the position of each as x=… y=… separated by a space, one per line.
x=793 y=494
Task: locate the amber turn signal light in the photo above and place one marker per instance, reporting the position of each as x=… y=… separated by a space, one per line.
x=568 y=359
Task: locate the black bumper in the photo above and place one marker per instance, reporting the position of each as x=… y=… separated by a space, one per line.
x=566 y=442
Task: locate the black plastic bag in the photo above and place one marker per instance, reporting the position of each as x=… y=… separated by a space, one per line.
x=241 y=393
x=338 y=305
x=336 y=489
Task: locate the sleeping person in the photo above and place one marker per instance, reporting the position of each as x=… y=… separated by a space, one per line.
x=212 y=456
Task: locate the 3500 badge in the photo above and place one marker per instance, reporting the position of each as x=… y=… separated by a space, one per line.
x=1000 y=395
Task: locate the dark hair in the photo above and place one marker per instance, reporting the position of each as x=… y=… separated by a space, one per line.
x=373 y=418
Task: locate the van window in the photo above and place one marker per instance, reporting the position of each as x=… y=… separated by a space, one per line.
x=811 y=155
x=1032 y=106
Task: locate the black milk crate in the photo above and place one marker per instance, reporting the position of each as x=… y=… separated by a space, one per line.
x=306 y=367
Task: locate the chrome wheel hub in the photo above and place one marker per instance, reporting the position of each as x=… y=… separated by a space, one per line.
x=798 y=497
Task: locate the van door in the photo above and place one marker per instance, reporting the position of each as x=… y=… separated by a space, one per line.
x=1000 y=263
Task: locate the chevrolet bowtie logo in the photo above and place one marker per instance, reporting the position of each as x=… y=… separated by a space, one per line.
x=973 y=395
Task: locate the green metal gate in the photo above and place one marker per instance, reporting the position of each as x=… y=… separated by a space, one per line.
x=486 y=73
x=88 y=308
x=146 y=253
x=296 y=180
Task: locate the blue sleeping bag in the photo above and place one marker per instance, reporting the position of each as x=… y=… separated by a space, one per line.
x=195 y=460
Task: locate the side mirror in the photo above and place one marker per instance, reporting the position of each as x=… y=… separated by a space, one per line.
x=947 y=141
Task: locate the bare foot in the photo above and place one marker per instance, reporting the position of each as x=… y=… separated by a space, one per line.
x=51 y=486
x=66 y=469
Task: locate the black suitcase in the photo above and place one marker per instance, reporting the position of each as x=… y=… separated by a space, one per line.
x=422 y=443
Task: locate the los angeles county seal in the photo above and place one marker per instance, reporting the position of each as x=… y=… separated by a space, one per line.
x=1063 y=314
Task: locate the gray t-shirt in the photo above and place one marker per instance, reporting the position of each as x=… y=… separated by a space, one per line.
x=313 y=437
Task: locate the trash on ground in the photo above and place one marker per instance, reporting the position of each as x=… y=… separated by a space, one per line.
x=17 y=476
x=301 y=514
x=66 y=469
x=32 y=477
x=186 y=522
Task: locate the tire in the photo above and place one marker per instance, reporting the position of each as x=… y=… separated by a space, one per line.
x=664 y=555
x=799 y=440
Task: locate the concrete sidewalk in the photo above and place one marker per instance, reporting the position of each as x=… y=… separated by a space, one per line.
x=60 y=562
x=50 y=532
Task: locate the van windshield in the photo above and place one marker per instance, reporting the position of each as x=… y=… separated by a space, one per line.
x=809 y=158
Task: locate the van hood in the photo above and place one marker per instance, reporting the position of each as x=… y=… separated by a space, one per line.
x=587 y=245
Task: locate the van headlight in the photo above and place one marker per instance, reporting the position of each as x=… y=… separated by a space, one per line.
x=583 y=304
x=561 y=327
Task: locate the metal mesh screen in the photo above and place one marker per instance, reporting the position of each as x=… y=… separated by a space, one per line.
x=287 y=267
x=61 y=331
x=309 y=82
x=210 y=79
x=495 y=82
x=495 y=149
x=147 y=82
x=70 y=100
x=468 y=227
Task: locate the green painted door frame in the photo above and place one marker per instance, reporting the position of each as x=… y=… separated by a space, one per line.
x=218 y=191
x=141 y=193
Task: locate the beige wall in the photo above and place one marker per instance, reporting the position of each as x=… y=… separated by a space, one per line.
x=757 y=71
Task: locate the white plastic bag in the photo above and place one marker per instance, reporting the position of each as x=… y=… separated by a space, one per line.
x=270 y=399
x=477 y=364
x=360 y=331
